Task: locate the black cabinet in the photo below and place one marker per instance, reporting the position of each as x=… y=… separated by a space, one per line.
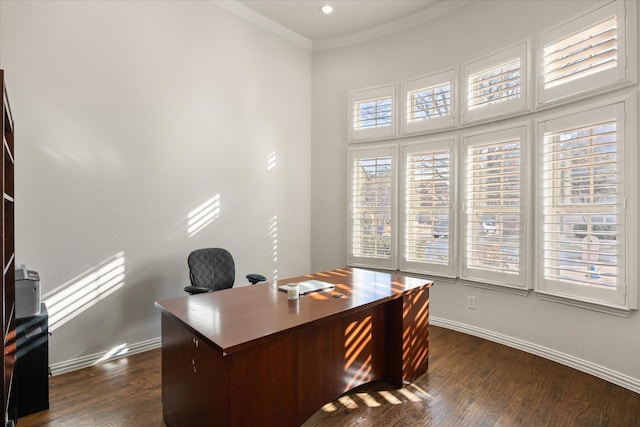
x=32 y=364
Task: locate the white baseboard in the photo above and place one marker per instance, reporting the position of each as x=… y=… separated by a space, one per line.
x=606 y=374
x=92 y=359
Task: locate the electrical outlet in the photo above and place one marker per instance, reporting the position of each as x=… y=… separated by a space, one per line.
x=471 y=303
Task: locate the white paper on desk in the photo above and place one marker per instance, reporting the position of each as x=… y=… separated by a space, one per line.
x=309 y=286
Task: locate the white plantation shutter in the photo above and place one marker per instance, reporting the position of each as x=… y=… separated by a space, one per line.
x=590 y=51
x=373 y=113
x=583 y=251
x=428 y=208
x=429 y=102
x=496 y=84
x=494 y=204
x=372 y=200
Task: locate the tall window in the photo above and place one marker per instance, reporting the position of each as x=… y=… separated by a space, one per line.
x=372 y=215
x=494 y=221
x=428 y=208
x=583 y=192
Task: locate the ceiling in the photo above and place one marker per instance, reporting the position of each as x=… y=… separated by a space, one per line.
x=366 y=18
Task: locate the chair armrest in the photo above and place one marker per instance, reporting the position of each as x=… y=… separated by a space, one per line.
x=255 y=278
x=196 y=290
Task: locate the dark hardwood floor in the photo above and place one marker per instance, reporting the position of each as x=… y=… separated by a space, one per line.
x=471 y=382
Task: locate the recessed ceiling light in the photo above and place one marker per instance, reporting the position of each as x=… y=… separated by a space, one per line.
x=326 y=9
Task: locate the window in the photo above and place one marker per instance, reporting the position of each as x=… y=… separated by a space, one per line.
x=428 y=208
x=583 y=250
x=494 y=85
x=372 y=201
x=497 y=85
x=429 y=102
x=495 y=207
x=472 y=203
x=587 y=54
x=373 y=113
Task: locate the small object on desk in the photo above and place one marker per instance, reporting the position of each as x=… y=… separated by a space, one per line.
x=292 y=291
x=309 y=286
x=338 y=295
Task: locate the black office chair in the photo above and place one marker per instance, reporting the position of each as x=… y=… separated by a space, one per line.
x=213 y=269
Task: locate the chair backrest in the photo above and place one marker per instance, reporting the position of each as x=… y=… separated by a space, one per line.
x=212 y=268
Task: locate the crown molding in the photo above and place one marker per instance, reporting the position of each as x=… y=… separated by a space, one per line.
x=398 y=25
x=262 y=21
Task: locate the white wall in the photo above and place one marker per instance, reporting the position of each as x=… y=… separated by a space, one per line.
x=603 y=344
x=129 y=115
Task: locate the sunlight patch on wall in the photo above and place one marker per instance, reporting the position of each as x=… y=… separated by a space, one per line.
x=271 y=161
x=84 y=291
x=203 y=215
x=272 y=230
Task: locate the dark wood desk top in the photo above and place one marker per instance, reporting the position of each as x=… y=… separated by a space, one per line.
x=236 y=318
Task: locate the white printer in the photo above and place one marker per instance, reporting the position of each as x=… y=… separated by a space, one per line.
x=27 y=292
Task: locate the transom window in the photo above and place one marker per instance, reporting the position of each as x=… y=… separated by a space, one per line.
x=372 y=113
x=587 y=52
x=496 y=84
x=427 y=103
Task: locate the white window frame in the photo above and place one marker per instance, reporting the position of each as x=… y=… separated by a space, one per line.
x=508 y=107
x=494 y=278
x=624 y=73
x=433 y=80
x=355 y=153
x=376 y=132
x=437 y=269
x=624 y=297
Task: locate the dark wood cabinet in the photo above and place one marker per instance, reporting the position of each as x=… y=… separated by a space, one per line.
x=8 y=261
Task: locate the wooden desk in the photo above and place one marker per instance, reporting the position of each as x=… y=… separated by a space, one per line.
x=248 y=356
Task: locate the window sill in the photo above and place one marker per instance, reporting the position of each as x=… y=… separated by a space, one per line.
x=599 y=307
x=500 y=288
